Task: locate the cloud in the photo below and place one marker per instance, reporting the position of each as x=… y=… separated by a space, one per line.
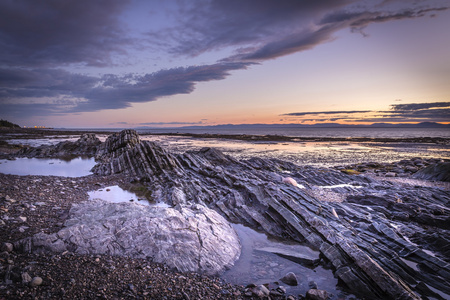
x=262 y=30
x=411 y=112
x=37 y=33
x=326 y=112
x=171 y=123
x=418 y=106
x=214 y=25
x=41 y=40
x=59 y=91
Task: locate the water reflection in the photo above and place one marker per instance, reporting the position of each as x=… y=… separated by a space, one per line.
x=116 y=194
x=259 y=264
x=76 y=167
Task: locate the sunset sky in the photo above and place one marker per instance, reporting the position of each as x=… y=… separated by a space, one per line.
x=115 y=63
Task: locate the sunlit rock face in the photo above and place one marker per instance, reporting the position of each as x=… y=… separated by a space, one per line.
x=191 y=238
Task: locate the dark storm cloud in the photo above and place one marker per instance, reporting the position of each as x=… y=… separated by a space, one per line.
x=52 y=32
x=262 y=30
x=211 y=25
x=80 y=93
x=38 y=38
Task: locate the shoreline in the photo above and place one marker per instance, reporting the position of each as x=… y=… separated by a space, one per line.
x=35 y=133
x=33 y=204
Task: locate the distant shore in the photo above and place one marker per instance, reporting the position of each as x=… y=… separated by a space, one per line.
x=30 y=133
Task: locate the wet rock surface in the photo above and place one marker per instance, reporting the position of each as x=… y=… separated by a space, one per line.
x=382 y=239
x=86 y=146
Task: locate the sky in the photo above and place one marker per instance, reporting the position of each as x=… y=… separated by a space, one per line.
x=117 y=63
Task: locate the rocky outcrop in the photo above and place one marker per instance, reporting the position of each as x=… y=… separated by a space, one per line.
x=371 y=239
x=439 y=171
x=192 y=238
x=124 y=153
x=86 y=145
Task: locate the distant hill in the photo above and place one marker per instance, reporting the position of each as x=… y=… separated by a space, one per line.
x=4 y=123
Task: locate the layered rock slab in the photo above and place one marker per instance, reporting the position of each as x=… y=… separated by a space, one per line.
x=185 y=238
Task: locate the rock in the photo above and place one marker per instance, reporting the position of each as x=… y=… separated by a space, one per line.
x=125 y=153
x=36 y=281
x=8 y=247
x=260 y=291
x=439 y=171
x=390 y=174
x=314 y=294
x=26 y=278
x=379 y=225
x=290 y=180
x=22 y=219
x=290 y=279
x=313 y=285
x=189 y=239
x=86 y=145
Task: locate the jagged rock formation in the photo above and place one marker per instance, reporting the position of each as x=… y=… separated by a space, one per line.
x=373 y=240
x=124 y=153
x=192 y=238
x=439 y=171
x=86 y=145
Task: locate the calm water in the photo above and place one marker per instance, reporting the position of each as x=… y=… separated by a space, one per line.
x=317 y=132
x=76 y=167
x=260 y=267
x=116 y=194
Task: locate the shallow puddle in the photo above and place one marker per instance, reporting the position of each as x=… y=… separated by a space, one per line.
x=76 y=167
x=116 y=194
x=259 y=264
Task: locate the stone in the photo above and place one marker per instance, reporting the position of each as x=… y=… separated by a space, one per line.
x=86 y=145
x=314 y=294
x=260 y=291
x=26 y=278
x=8 y=247
x=313 y=285
x=188 y=239
x=290 y=279
x=22 y=219
x=36 y=281
x=379 y=225
x=439 y=171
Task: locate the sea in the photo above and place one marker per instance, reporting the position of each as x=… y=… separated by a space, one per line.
x=328 y=132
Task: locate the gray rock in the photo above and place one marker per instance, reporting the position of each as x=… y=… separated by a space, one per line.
x=314 y=294
x=290 y=279
x=191 y=238
x=26 y=278
x=86 y=145
x=260 y=291
x=8 y=247
x=439 y=171
x=36 y=281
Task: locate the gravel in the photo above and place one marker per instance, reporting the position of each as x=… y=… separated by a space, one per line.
x=32 y=204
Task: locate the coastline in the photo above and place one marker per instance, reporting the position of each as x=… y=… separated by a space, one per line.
x=19 y=197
